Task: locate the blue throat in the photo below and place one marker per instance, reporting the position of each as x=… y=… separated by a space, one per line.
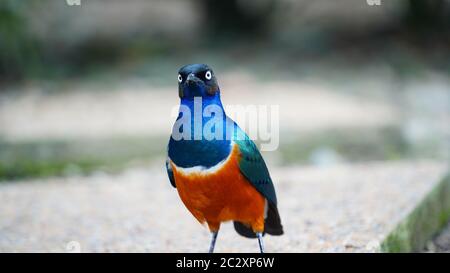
x=202 y=152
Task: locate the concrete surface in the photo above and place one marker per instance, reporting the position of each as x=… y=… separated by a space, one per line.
x=343 y=208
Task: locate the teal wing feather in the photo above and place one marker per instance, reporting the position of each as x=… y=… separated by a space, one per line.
x=170 y=173
x=169 y=170
x=253 y=167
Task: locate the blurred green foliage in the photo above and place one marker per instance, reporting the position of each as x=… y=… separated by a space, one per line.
x=19 y=51
x=351 y=145
x=427 y=15
x=56 y=158
x=238 y=18
x=77 y=157
x=238 y=24
x=429 y=216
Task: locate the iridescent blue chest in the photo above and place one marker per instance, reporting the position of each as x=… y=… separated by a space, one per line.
x=201 y=151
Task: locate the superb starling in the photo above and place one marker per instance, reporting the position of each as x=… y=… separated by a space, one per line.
x=218 y=171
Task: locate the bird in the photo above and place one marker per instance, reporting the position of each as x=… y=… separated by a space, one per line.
x=220 y=176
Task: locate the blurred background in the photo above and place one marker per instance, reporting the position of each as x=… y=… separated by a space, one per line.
x=89 y=89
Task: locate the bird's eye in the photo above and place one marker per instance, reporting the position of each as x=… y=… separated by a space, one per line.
x=180 y=78
x=208 y=75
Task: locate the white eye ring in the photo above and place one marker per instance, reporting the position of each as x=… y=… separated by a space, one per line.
x=208 y=75
x=180 y=78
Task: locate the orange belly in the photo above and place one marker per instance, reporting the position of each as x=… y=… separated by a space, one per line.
x=221 y=195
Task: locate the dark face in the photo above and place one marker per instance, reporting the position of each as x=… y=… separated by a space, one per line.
x=197 y=80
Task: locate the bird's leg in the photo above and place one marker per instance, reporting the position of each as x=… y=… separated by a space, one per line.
x=213 y=241
x=260 y=241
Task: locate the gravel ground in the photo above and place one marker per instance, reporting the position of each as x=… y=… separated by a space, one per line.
x=345 y=208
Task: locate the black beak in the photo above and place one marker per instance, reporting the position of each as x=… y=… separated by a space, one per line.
x=192 y=79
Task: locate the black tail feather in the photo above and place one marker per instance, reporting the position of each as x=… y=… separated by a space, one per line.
x=272 y=224
x=244 y=230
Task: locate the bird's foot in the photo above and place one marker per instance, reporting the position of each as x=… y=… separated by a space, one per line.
x=260 y=241
x=213 y=241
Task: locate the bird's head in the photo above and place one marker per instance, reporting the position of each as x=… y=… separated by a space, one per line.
x=197 y=80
